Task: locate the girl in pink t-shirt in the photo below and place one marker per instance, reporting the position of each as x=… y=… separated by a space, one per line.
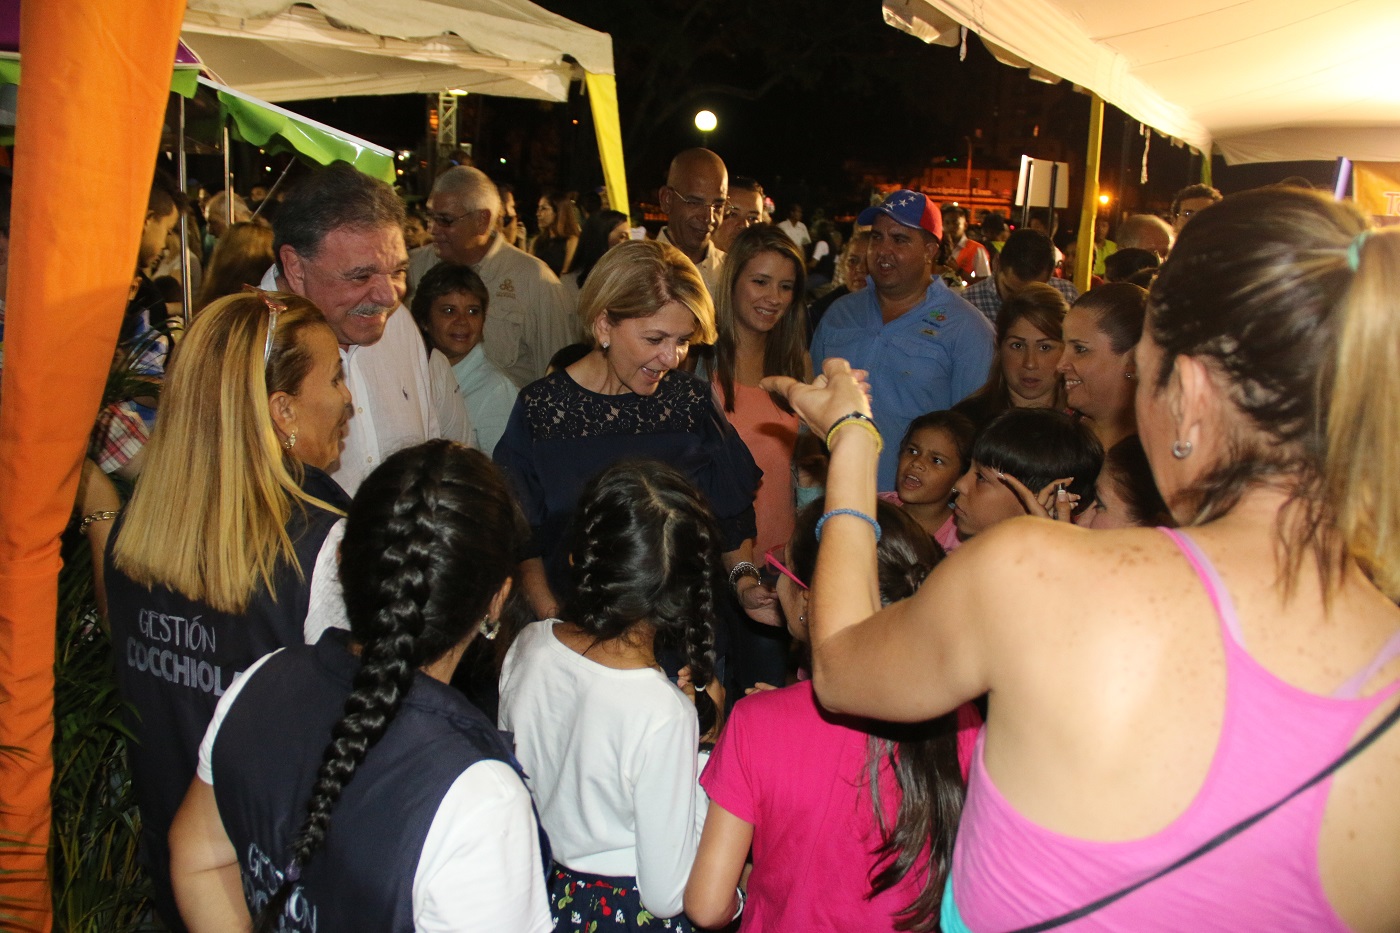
x=851 y=823
x=935 y=451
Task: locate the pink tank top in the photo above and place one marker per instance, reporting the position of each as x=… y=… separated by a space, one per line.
x=1009 y=872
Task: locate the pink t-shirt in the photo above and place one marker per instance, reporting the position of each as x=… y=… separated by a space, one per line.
x=800 y=778
x=947 y=533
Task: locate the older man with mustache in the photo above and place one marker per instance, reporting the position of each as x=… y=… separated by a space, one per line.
x=339 y=242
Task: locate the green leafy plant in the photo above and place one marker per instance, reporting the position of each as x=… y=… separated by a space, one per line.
x=97 y=882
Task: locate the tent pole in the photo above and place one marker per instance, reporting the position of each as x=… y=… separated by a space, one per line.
x=273 y=190
x=1084 y=256
x=228 y=182
x=186 y=293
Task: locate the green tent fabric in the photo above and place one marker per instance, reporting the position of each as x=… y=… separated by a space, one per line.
x=263 y=124
x=184 y=81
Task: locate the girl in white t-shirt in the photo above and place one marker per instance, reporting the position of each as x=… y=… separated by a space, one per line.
x=607 y=740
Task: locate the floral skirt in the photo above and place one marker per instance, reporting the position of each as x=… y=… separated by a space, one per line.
x=583 y=903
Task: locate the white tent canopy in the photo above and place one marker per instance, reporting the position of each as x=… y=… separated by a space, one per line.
x=282 y=50
x=1262 y=80
x=288 y=50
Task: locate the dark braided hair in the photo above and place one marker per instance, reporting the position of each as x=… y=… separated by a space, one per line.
x=646 y=549
x=923 y=757
x=429 y=541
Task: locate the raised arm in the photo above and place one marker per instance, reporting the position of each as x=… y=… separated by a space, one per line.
x=915 y=659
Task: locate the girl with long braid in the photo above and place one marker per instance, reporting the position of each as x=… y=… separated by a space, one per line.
x=608 y=742
x=344 y=785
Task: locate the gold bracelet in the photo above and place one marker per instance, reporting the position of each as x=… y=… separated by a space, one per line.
x=863 y=422
x=104 y=516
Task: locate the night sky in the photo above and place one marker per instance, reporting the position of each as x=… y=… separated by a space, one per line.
x=813 y=98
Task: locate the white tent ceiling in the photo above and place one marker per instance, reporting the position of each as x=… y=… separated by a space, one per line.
x=1264 y=80
x=281 y=50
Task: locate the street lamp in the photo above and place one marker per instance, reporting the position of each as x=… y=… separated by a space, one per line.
x=705 y=122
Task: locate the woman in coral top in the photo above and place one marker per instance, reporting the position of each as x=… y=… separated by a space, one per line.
x=760 y=319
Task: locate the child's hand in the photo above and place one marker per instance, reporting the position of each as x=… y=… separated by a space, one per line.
x=1053 y=501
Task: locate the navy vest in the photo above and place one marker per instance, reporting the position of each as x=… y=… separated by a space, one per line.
x=265 y=759
x=175 y=658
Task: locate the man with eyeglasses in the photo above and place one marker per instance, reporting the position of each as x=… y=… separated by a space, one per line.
x=338 y=240
x=694 y=199
x=530 y=317
x=745 y=208
x=1190 y=201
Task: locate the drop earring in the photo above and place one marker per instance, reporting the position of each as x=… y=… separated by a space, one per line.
x=290 y=442
x=490 y=627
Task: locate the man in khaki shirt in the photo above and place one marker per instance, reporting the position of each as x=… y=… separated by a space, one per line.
x=694 y=198
x=527 y=318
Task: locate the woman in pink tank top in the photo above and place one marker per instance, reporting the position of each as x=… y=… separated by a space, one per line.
x=1150 y=690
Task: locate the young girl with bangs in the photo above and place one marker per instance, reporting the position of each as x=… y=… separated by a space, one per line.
x=935 y=452
x=851 y=823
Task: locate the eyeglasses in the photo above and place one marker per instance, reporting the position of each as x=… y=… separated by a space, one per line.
x=773 y=560
x=700 y=204
x=447 y=220
x=274 y=308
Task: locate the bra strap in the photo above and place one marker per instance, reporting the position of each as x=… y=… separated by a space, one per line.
x=1352 y=688
x=1210 y=579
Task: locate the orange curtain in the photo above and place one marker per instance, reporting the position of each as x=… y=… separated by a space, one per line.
x=96 y=77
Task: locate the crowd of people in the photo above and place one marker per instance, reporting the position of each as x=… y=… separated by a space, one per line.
x=717 y=580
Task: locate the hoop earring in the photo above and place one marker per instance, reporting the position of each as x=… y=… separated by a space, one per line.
x=1181 y=449
x=290 y=442
x=490 y=627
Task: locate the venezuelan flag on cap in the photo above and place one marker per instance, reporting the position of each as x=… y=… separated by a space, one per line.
x=909 y=209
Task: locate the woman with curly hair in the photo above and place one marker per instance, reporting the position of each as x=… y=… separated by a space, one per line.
x=345 y=786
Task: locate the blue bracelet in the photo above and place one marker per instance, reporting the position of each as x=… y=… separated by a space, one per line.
x=858 y=514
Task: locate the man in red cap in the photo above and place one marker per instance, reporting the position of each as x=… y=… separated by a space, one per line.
x=925 y=348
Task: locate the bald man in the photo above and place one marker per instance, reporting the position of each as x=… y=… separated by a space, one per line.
x=694 y=197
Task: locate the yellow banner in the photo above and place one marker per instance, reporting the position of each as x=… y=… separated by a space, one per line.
x=1376 y=190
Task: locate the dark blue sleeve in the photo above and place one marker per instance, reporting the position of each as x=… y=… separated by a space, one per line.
x=732 y=482
x=515 y=455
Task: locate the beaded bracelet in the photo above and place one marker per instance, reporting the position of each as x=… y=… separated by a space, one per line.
x=852 y=512
x=858 y=418
x=743 y=569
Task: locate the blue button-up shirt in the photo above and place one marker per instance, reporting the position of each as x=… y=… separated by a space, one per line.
x=927 y=359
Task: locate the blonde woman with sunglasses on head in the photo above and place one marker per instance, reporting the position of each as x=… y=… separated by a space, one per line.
x=228 y=533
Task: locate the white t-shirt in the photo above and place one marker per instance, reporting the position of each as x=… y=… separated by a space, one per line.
x=611 y=758
x=481 y=858
x=797 y=232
